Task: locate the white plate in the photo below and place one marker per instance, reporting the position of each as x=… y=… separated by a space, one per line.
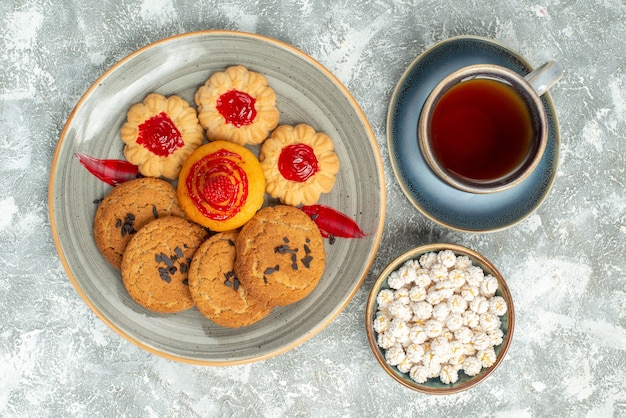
x=306 y=92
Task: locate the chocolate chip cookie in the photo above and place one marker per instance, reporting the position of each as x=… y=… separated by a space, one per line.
x=280 y=255
x=216 y=289
x=126 y=209
x=155 y=265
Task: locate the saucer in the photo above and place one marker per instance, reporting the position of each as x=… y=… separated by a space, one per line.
x=437 y=200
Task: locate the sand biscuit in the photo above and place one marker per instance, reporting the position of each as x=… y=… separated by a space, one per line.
x=280 y=255
x=155 y=265
x=126 y=209
x=216 y=290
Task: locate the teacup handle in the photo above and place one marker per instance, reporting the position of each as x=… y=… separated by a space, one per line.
x=544 y=77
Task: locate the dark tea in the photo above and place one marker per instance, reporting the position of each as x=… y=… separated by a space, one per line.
x=481 y=129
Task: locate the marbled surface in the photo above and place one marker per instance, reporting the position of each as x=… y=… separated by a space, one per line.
x=565 y=264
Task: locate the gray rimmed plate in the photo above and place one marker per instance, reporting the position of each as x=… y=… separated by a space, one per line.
x=306 y=92
x=437 y=200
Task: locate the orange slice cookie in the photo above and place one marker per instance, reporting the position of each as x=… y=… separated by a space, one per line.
x=155 y=265
x=299 y=164
x=215 y=288
x=126 y=209
x=159 y=134
x=221 y=186
x=280 y=255
x=237 y=105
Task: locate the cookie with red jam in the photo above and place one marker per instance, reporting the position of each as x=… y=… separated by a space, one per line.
x=221 y=186
x=299 y=164
x=159 y=134
x=237 y=105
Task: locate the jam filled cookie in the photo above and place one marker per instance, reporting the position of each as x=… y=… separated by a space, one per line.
x=215 y=288
x=221 y=186
x=155 y=265
x=237 y=105
x=280 y=255
x=126 y=209
x=299 y=164
x=159 y=134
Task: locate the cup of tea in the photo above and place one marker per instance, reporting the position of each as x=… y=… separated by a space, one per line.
x=484 y=129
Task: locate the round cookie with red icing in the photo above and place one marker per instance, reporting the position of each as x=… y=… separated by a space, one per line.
x=299 y=164
x=159 y=134
x=221 y=185
x=237 y=105
x=215 y=287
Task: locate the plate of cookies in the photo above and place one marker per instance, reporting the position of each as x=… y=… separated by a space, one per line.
x=217 y=197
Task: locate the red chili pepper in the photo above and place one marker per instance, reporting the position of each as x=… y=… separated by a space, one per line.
x=112 y=172
x=333 y=223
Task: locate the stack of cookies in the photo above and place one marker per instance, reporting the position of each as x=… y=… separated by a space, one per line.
x=169 y=263
x=207 y=243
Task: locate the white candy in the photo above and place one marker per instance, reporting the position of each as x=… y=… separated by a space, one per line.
x=435 y=369
x=441 y=311
x=487 y=357
x=385 y=341
x=440 y=316
x=464 y=335
x=472 y=366
x=489 y=321
x=497 y=305
x=457 y=278
x=475 y=275
x=469 y=349
x=443 y=285
x=405 y=365
x=440 y=347
x=438 y=272
x=479 y=304
x=489 y=286
x=417 y=294
x=434 y=297
x=417 y=335
x=457 y=304
x=395 y=355
x=415 y=353
x=433 y=328
x=407 y=274
x=448 y=374
x=446 y=258
x=471 y=319
x=469 y=292
x=381 y=323
x=481 y=341
x=462 y=262
x=454 y=322
x=413 y=264
x=427 y=260
x=384 y=298
x=422 y=278
x=400 y=310
x=419 y=374
x=402 y=295
x=398 y=329
x=457 y=353
x=446 y=293
x=395 y=281
x=422 y=310
x=496 y=337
